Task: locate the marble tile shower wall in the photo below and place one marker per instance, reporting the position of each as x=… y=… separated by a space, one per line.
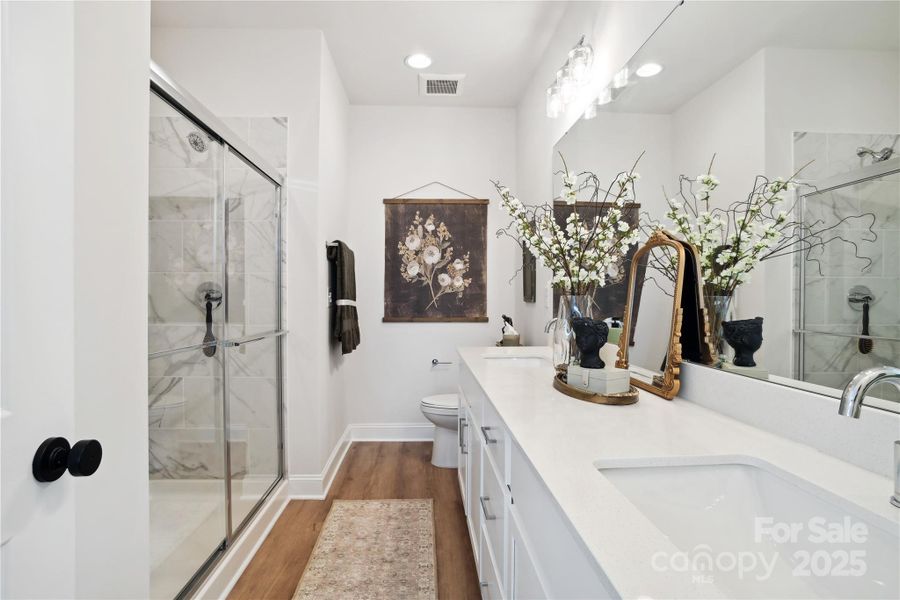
x=831 y=360
x=186 y=228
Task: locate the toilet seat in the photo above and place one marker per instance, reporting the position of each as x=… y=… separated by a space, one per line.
x=444 y=404
x=442 y=410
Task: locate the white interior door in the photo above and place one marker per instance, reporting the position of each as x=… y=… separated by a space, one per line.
x=73 y=264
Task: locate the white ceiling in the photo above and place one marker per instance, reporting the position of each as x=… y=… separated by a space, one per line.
x=497 y=45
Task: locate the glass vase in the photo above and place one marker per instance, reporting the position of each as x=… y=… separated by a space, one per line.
x=565 y=351
x=718 y=309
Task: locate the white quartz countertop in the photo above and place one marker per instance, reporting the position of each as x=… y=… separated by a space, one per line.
x=564 y=437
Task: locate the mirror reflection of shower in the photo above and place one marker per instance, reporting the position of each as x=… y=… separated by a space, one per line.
x=209 y=296
x=877 y=155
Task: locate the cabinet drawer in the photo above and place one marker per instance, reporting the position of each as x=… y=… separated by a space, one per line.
x=493 y=506
x=489 y=576
x=496 y=441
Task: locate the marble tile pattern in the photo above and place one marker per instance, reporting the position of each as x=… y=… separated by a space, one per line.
x=185 y=393
x=831 y=272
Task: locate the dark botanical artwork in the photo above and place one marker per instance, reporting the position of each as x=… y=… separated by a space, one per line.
x=611 y=299
x=435 y=265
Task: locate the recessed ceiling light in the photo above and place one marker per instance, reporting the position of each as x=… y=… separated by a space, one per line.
x=648 y=70
x=418 y=61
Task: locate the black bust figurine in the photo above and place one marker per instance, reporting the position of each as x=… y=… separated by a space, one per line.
x=745 y=336
x=590 y=336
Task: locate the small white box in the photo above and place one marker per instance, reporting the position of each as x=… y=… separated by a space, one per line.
x=609 y=380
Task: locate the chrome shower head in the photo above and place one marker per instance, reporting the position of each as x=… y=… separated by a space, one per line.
x=195 y=139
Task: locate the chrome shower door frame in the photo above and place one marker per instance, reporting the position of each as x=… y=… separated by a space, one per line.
x=165 y=87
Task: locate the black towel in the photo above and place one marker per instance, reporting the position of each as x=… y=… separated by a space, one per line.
x=346 y=320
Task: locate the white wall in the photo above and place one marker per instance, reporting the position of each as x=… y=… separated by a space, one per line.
x=111 y=233
x=283 y=72
x=616 y=30
x=392 y=150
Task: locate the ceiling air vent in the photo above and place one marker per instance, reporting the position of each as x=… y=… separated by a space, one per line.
x=440 y=85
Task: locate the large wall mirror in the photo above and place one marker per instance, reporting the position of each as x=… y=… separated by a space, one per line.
x=728 y=100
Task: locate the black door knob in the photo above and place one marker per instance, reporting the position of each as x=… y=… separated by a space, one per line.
x=84 y=458
x=54 y=457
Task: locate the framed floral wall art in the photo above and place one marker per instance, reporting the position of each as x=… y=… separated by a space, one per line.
x=435 y=260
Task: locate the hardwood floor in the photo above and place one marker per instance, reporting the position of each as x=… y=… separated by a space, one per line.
x=371 y=470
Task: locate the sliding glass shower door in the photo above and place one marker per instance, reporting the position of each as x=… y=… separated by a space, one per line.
x=214 y=393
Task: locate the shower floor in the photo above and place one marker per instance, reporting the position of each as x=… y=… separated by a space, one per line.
x=187 y=524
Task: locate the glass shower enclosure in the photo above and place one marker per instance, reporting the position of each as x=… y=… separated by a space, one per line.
x=215 y=335
x=848 y=310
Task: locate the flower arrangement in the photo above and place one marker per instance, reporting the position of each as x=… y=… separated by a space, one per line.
x=732 y=241
x=591 y=248
x=427 y=258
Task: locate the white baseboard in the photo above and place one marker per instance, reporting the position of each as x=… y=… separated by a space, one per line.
x=315 y=486
x=225 y=575
x=392 y=432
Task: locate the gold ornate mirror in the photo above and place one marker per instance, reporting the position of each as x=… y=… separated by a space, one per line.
x=650 y=344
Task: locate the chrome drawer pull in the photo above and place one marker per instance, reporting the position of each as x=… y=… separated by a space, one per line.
x=487 y=439
x=459 y=432
x=464 y=448
x=487 y=516
x=484 y=584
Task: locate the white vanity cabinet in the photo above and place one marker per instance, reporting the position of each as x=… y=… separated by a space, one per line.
x=523 y=546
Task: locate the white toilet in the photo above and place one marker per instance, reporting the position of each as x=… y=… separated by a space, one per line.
x=442 y=411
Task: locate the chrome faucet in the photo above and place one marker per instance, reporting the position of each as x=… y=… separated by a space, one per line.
x=852 y=399
x=550 y=324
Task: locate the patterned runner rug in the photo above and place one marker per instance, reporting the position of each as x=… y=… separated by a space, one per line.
x=372 y=550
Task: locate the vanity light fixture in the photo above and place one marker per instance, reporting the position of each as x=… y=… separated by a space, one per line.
x=620 y=79
x=418 y=61
x=573 y=75
x=581 y=58
x=568 y=85
x=648 y=69
x=554 y=101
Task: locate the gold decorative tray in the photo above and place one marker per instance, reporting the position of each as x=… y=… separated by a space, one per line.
x=629 y=397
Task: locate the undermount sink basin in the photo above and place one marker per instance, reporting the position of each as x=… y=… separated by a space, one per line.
x=507 y=357
x=755 y=531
